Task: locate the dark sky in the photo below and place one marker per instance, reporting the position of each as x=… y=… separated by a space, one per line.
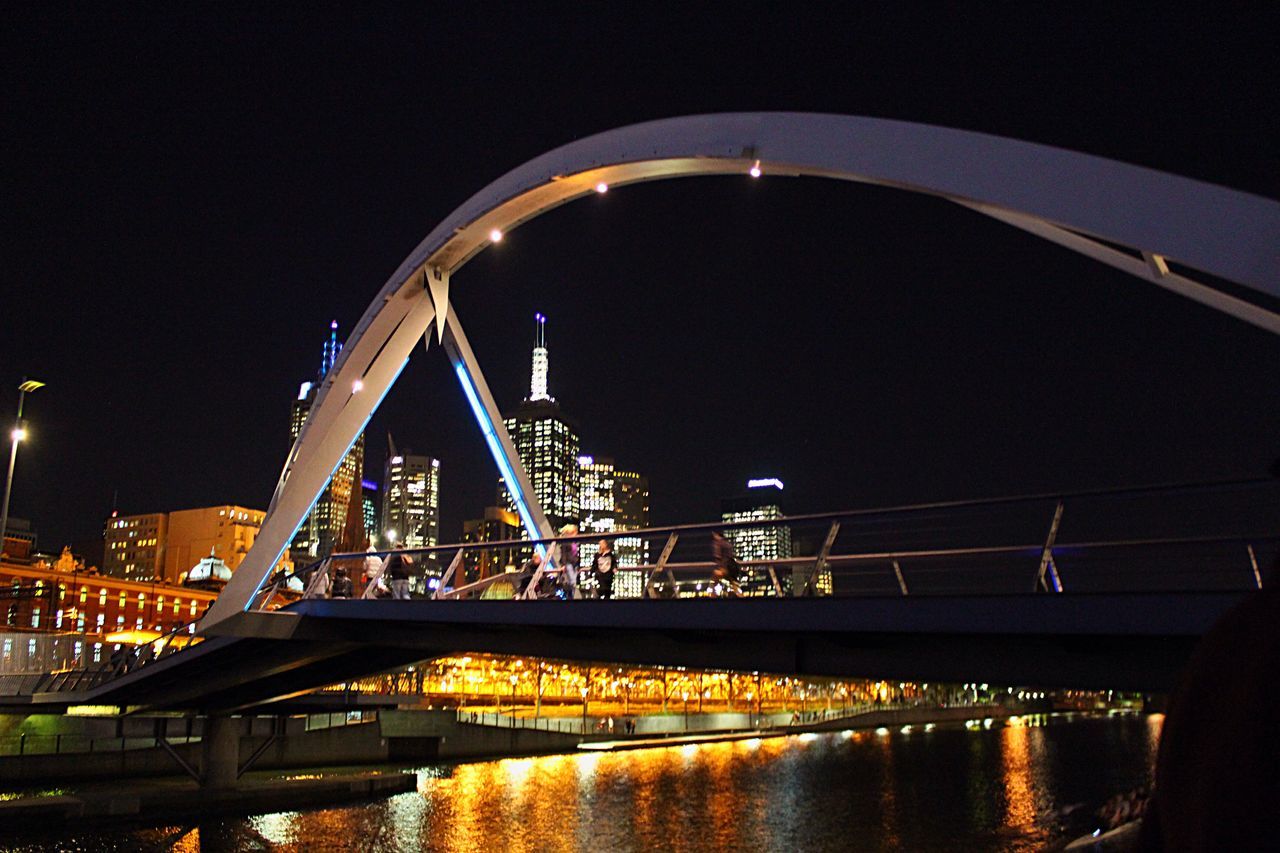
x=191 y=198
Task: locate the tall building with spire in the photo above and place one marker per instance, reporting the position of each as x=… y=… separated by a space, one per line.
x=322 y=531
x=547 y=443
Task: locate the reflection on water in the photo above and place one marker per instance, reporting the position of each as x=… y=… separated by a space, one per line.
x=973 y=788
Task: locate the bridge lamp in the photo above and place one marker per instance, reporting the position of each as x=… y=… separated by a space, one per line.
x=602 y=188
x=495 y=236
x=357 y=386
x=18 y=434
x=754 y=171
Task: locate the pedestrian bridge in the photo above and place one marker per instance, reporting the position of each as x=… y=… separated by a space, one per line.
x=1089 y=590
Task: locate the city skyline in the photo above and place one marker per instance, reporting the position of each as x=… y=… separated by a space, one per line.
x=867 y=346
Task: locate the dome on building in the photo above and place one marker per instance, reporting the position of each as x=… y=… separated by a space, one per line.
x=208 y=572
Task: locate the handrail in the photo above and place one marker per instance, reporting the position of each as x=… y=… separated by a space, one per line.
x=904 y=509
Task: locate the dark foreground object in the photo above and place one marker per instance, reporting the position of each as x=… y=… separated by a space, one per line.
x=171 y=801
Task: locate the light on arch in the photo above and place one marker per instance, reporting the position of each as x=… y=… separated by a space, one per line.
x=754 y=171
x=495 y=236
x=602 y=188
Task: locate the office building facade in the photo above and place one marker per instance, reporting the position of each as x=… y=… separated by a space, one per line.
x=614 y=501
x=411 y=500
x=761 y=502
x=134 y=546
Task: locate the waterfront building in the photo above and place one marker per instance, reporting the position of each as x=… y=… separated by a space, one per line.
x=497 y=525
x=547 y=443
x=761 y=502
x=134 y=546
x=322 y=529
x=411 y=499
x=97 y=610
x=614 y=501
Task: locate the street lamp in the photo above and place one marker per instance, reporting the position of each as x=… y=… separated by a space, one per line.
x=514 y=679
x=18 y=434
x=685 y=697
x=584 y=709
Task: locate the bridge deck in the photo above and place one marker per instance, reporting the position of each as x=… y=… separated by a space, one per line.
x=1136 y=641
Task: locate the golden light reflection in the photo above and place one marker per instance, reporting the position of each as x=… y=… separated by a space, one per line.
x=1019 y=791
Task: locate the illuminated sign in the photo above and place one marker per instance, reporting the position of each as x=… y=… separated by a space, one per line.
x=760 y=484
x=370 y=485
x=303 y=390
x=586 y=460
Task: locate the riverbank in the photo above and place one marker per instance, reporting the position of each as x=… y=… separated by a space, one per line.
x=140 y=802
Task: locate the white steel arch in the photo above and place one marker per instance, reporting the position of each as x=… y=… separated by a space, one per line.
x=1075 y=200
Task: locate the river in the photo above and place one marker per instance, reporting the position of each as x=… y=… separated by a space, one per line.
x=995 y=786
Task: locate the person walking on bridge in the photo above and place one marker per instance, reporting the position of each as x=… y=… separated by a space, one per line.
x=602 y=566
x=566 y=560
x=396 y=572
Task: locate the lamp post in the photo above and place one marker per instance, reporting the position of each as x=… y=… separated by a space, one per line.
x=514 y=679
x=584 y=710
x=18 y=434
x=685 y=697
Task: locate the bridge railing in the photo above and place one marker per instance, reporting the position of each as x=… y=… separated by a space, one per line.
x=1217 y=536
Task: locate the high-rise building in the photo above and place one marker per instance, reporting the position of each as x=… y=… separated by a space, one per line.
x=498 y=525
x=134 y=546
x=411 y=499
x=321 y=531
x=761 y=502
x=371 y=505
x=547 y=443
x=614 y=501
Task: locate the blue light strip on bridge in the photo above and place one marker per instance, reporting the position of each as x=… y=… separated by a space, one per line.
x=491 y=438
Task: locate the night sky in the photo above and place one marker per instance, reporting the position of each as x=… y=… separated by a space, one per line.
x=189 y=200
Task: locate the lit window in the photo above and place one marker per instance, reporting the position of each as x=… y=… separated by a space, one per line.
x=57 y=619
x=35 y=617
x=138 y=625
x=84 y=594
x=102 y=597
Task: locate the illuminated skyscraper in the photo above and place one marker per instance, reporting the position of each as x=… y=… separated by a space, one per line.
x=411 y=499
x=371 y=504
x=322 y=529
x=613 y=501
x=547 y=443
x=762 y=502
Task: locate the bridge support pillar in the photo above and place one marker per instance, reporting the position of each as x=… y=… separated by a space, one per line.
x=220 y=752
